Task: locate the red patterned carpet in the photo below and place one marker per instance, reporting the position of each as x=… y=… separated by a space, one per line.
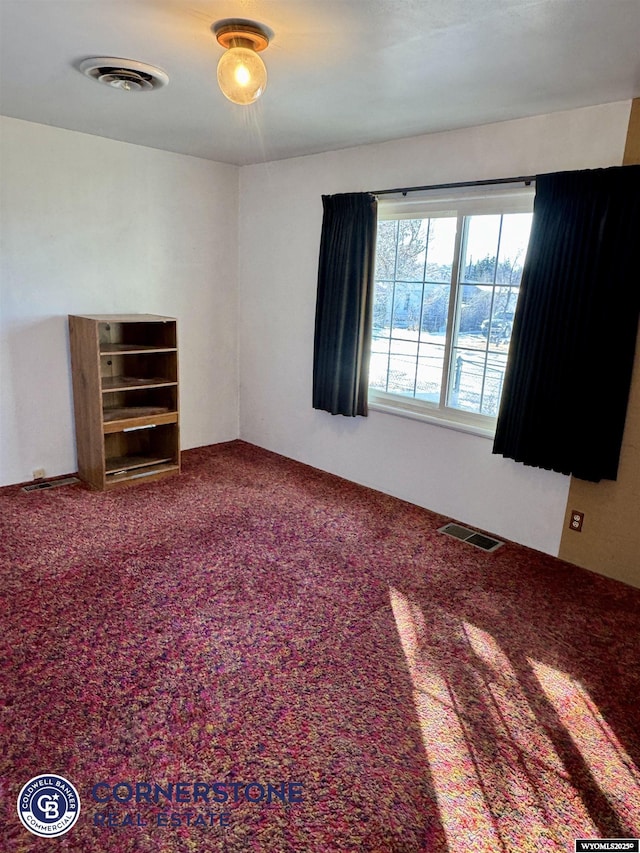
x=257 y=630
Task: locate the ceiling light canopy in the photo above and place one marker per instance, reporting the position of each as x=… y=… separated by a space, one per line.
x=242 y=75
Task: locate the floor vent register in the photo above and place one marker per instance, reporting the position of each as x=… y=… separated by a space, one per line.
x=472 y=537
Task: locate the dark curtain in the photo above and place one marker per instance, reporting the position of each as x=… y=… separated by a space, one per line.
x=574 y=334
x=344 y=304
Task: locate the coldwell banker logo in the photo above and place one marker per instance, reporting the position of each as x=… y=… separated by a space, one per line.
x=48 y=805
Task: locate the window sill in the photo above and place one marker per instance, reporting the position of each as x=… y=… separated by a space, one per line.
x=441 y=420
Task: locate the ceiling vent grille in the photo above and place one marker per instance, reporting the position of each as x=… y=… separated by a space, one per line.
x=127 y=74
x=473 y=537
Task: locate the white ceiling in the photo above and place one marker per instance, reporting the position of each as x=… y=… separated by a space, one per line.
x=341 y=72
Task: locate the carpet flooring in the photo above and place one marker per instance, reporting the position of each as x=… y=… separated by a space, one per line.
x=258 y=656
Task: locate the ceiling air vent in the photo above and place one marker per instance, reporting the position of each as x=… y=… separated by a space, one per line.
x=466 y=534
x=127 y=74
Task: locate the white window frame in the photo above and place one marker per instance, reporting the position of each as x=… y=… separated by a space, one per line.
x=502 y=199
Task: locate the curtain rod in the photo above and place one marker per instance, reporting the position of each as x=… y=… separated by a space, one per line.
x=525 y=179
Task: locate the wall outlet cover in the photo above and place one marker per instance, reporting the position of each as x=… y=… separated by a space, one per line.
x=575 y=520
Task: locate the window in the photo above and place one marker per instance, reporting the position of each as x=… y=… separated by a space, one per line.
x=446 y=286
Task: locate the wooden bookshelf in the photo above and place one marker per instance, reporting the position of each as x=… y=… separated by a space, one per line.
x=124 y=371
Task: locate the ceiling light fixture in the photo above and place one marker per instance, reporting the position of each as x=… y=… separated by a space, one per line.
x=242 y=75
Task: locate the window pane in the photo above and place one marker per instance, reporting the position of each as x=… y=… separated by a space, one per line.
x=382 y=300
x=412 y=243
x=481 y=248
x=407 y=350
x=466 y=380
x=442 y=237
x=406 y=306
x=496 y=366
x=429 y=375
x=514 y=239
x=402 y=367
x=498 y=330
x=474 y=310
x=386 y=250
x=435 y=309
x=379 y=362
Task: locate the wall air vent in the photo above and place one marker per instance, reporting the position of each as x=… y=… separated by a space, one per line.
x=127 y=74
x=465 y=534
x=40 y=485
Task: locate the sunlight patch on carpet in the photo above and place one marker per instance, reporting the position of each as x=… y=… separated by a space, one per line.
x=464 y=813
x=612 y=768
x=499 y=782
x=512 y=715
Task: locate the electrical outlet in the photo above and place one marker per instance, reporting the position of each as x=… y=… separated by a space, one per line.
x=39 y=474
x=575 y=521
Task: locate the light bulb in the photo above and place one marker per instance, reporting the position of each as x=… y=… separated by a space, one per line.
x=242 y=75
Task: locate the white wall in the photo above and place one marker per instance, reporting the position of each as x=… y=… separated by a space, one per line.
x=280 y=220
x=90 y=225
